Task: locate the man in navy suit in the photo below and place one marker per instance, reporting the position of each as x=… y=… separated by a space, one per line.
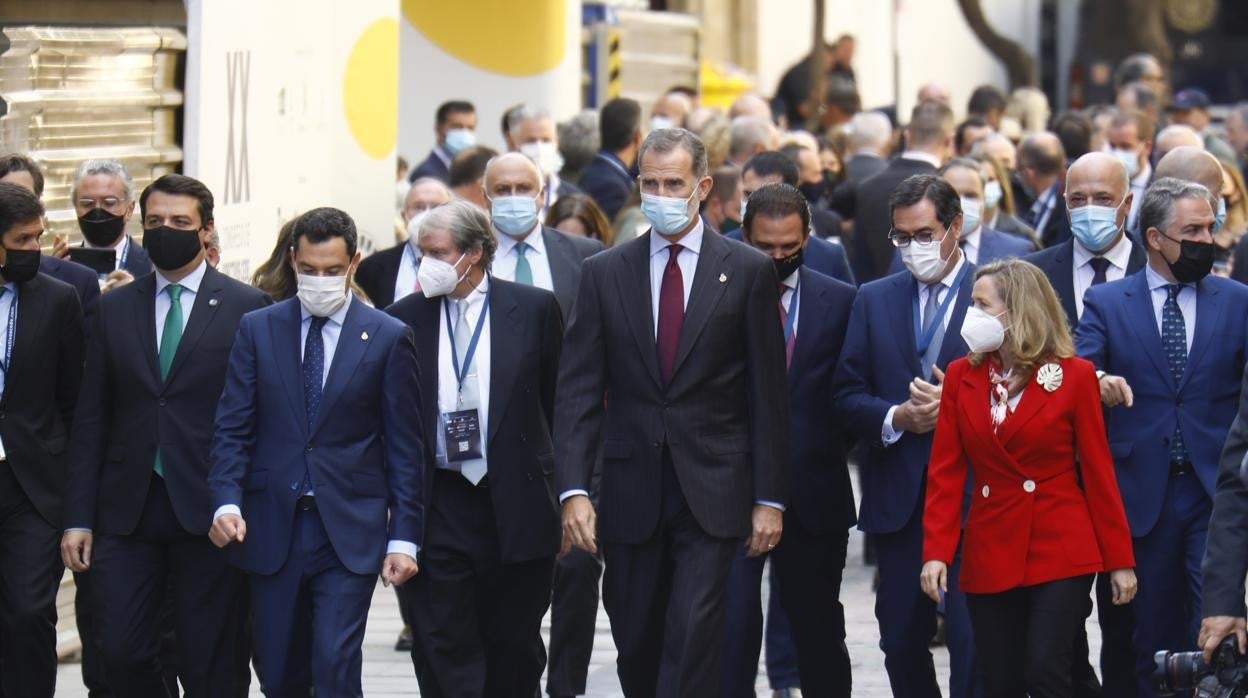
x=1170 y=343
x=317 y=465
x=609 y=178
x=138 y=504
x=773 y=167
x=455 y=126
x=904 y=329
x=103 y=198
x=811 y=556
x=1040 y=162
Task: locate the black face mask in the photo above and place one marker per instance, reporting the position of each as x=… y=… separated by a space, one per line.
x=101 y=228
x=20 y=266
x=1195 y=260
x=171 y=248
x=813 y=191
x=785 y=267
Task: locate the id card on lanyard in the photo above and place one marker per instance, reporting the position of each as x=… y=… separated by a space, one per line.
x=462 y=427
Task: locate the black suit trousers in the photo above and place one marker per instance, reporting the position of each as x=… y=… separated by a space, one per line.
x=131 y=576
x=666 y=600
x=573 y=622
x=477 y=621
x=30 y=573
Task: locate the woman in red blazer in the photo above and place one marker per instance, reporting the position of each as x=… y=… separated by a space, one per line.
x=1021 y=415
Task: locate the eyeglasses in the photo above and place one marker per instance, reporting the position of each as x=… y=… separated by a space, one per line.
x=108 y=203
x=924 y=238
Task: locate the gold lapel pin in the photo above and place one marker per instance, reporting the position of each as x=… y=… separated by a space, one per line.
x=364 y=336
x=723 y=278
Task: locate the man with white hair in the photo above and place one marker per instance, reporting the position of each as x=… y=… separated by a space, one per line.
x=670 y=111
x=748 y=136
x=1177 y=136
x=103 y=198
x=533 y=132
x=869 y=134
x=390 y=274
x=750 y=104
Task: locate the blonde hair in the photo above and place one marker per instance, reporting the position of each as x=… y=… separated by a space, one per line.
x=1038 y=332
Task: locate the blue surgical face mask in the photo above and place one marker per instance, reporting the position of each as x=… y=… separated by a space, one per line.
x=1095 y=227
x=459 y=138
x=668 y=214
x=514 y=215
x=1130 y=159
x=744 y=203
x=1219 y=219
x=971 y=211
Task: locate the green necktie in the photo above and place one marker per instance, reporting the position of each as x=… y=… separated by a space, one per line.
x=524 y=273
x=169 y=346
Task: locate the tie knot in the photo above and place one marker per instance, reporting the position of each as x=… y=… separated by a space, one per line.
x=933 y=290
x=318 y=323
x=1172 y=291
x=175 y=292
x=1099 y=264
x=461 y=307
x=521 y=248
x=673 y=252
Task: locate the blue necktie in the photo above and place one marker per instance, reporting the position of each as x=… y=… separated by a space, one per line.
x=313 y=368
x=1174 y=339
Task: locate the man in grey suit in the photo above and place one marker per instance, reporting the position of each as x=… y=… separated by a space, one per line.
x=685 y=393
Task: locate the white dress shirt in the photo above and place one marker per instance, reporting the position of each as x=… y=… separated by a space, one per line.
x=190 y=289
x=1187 y=302
x=970 y=244
x=539 y=262
x=1139 y=184
x=7 y=301
x=786 y=299
x=922 y=157
x=888 y=434
x=448 y=386
x=1119 y=256
x=687 y=260
x=409 y=266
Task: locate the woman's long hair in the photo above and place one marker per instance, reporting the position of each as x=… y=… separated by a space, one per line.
x=276 y=277
x=1037 y=331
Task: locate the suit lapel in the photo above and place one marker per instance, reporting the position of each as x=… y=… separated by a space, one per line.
x=807 y=332
x=506 y=335
x=144 y=310
x=207 y=300
x=31 y=308
x=562 y=269
x=1034 y=398
x=1063 y=276
x=427 y=328
x=906 y=289
x=705 y=294
x=1144 y=323
x=952 y=346
x=633 y=279
x=1209 y=308
x=352 y=345
x=284 y=332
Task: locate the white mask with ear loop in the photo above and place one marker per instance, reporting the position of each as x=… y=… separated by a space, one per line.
x=983 y=333
x=438 y=278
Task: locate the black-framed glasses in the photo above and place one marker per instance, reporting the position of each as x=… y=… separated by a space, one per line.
x=924 y=238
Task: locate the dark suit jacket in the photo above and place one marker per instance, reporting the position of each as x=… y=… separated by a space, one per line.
x=606 y=179
x=364 y=453
x=872 y=250
x=1058 y=263
x=1118 y=333
x=125 y=410
x=860 y=167
x=1011 y=225
x=567 y=253
x=878 y=362
x=84 y=281
x=40 y=390
x=820 y=492
x=377 y=273
x=827 y=258
x=138 y=263
x=526 y=331
x=1226 y=549
x=431 y=166
x=727 y=451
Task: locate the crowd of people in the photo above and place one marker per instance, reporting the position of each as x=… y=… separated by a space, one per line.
x=1016 y=326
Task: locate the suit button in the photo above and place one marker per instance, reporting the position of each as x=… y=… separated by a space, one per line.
x=294 y=485
x=657 y=444
x=984 y=491
x=1029 y=486
x=162 y=402
x=308 y=449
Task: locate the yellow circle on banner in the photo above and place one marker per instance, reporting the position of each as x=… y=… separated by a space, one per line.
x=370 y=88
x=507 y=38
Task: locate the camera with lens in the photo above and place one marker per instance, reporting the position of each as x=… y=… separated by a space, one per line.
x=1188 y=672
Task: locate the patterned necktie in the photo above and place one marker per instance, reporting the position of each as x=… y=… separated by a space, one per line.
x=1099 y=266
x=170 y=336
x=1174 y=339
x=671 y=314
x=314 y=368
x=790 y=337
x=524 y=273
x=931 y=313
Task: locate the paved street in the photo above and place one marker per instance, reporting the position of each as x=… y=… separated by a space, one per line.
x=388 y=674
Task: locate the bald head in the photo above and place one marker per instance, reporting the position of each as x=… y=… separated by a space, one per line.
x=750 y=104
x=1177 y=136
x=1095 y=173
x=934 y=91
x=426 y=193
x=674 y=107
x=1041 y=151
x=512 y=174
x=1192 y=164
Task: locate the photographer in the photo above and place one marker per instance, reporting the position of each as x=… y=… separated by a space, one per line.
x=1226 y=551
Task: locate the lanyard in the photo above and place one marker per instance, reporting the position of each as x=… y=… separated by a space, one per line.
x=619 y=168
x=462 y=372
x=791 y=317
x=9 y=338
x=923 y=341
x=409 y=255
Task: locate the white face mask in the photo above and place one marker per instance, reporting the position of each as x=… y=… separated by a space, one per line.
x=924 y=261
x=545 y=154
x=437 y=278
x=992 y=194
x=322 y=296
x=983 y=333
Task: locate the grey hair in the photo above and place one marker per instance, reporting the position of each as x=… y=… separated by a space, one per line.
x=105 y=167
x=214 y=239
x=579 y=139
x=665 y=140
x=468 y=225
x=526 y=112
x=746 y=132
x=1157 y=209
x=869 y=129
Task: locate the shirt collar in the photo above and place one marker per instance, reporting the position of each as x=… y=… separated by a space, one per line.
x=1141 y=180
x=1119 y=255
x=692 y=241
x=442 y=154
x=190 y=282
x=973 y=237
x=790 y=281
x=866 y=152
x=922 y=157
x=949 y=278
x=338 y=317
x=534 y=239
x=1157 y=281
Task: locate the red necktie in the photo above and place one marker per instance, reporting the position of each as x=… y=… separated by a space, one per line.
x=789 y=337
x=671 y=314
